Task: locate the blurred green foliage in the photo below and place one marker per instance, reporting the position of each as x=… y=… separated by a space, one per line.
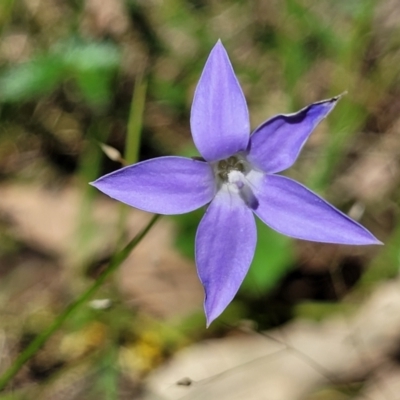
x=75 y=74
x=89 y=65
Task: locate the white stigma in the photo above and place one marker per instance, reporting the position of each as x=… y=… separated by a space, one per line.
x=237 y=183
x=236 y=180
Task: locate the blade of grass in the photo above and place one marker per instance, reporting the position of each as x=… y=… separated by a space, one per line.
x=41 y=339
x=135 y=122
x=133 y=136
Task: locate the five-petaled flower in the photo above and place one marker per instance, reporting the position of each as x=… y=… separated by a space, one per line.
x=237 y=176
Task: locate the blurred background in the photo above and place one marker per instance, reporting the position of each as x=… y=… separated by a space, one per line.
x=87 y=86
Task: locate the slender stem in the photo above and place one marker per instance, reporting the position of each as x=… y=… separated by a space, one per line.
x=133 y=138
x=42 y=338
x=135 y=121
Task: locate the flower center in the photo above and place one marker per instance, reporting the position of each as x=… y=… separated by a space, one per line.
x=224 y=167
x=232 y=175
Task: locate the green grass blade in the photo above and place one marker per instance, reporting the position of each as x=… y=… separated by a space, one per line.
x=132 y=145
x=41 y=339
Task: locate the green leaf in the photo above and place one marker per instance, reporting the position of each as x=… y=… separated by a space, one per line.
x=91 y=65
x=89 y=56
x=27 y=80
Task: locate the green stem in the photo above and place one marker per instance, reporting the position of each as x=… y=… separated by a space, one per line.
x=133 y=138
x=41 y=339
x=135 y=121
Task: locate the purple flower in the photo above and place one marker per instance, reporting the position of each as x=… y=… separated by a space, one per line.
x=237 y=177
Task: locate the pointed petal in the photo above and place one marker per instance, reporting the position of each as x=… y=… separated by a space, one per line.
x=165 y=185
x=292 y=209
x=219 y=118
x=276 y=144
x=225 y=245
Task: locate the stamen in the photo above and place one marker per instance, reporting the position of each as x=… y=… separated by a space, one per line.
x=224 y=167
x=222 y=164
x=232 y=173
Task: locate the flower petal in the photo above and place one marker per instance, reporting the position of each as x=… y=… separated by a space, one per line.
x=292 y=209
x=165 y=185
x=219 y=118
x=276 y=144
x=225 y=245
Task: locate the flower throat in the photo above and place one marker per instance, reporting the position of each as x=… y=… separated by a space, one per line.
x=224 y=167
